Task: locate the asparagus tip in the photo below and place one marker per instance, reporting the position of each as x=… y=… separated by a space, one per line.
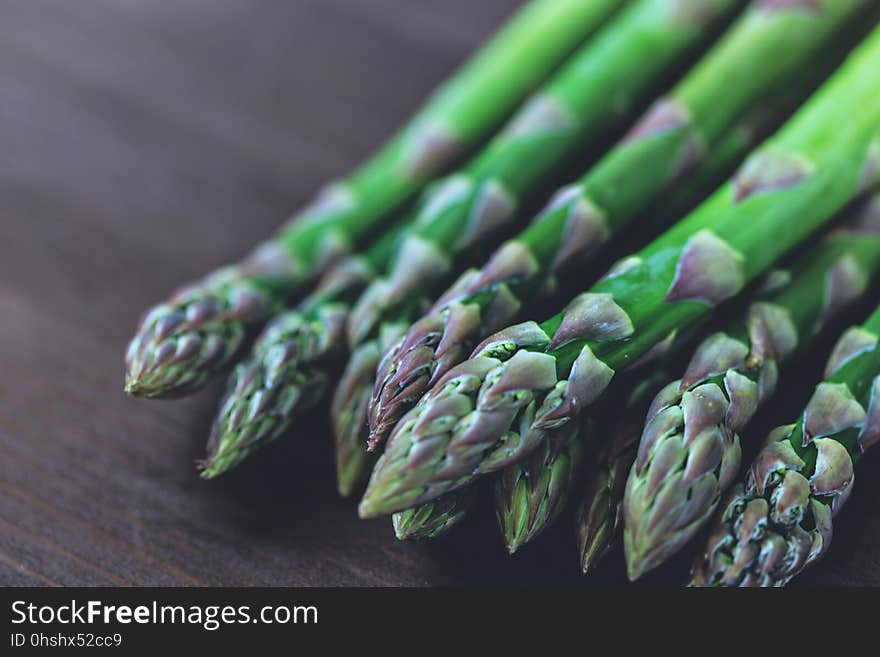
x=136 y=386
x=636 y=565
x=208 y=468
x=376 y=503
x=345 y=486
x=367 y=509
x=589 y=557
x=130 y=387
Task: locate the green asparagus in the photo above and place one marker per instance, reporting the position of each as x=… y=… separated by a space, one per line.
x=290 y=364
x=434 y=519
x=780 y=520
x=686 y=196
x=689 y=451
x=530 y=494
x=598 y=521
x=183 y=342
x=770 y=44
x=598 y=88
x=288 y=383
x=495 y=407
x=601 y=507
x=349 y=408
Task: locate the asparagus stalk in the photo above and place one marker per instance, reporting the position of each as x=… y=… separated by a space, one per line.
x=598 y=517
x=530 y=494
x=296 y=382
x=771 y=42
x=290 y=365
x=495 y=407
x=594 y=92
x=350 y=406
x=595 y=538
x=780 y=520
x=689 y=451
x=436 y=518
x=184 y=341
x=684 y=197
x=598 y=521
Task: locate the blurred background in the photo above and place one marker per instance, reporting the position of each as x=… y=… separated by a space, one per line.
x=142 y=143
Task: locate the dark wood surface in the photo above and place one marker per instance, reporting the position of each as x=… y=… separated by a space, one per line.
x=142 y=143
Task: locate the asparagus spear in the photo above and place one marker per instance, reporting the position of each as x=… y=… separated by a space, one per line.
x=352 y=402
x=723 y=159
x=349 y=408
x=295 y=382
x=771 y=42
x=594 y=539
x=780 y=520
x=685 y=196
x=436 y=518
x=200 y=330
x=598 y=518
x=689 y=451
x=592 y=93
x=530 y=494
x=495 y=407
x=290 y=365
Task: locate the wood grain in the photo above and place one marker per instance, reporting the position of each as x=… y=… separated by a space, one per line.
x=141 y=144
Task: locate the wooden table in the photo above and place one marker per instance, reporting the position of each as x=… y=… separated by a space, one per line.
x=141 y=144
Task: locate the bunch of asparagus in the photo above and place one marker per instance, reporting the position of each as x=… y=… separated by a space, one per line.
x=745 y=177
